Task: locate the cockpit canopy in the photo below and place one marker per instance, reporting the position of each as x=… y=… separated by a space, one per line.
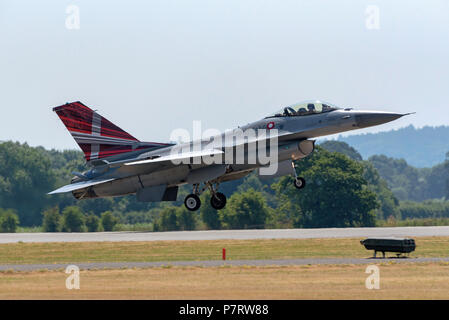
x=303 y=109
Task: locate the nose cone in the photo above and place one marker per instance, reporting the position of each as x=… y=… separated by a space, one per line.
x=366 y=119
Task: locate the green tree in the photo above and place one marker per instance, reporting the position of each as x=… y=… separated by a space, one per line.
x=168 y=220
x=186 y=220
x=342 y=147
x=92 y=223
x=134 y=217
x=389 y=204
x=424 y=209
x=73 y=219
x=246 y=210
x=51 y=221
x=287 y=213
x=97 y=205
x=25 y=179
x=108 y=220
x=208 y=214
x=446 y=167
x=404 y=180
x=336 y=194
x=9 y=220
x=260 y=184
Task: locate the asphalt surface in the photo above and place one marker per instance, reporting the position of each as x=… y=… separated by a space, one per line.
x=217 y=263
x=227 y=234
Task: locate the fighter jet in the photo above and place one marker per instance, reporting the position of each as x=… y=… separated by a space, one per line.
x=121 y=165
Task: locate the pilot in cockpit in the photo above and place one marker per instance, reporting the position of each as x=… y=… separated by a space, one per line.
x=289 y=111
x=311 y=108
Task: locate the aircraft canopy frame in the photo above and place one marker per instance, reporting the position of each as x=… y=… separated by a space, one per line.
x=303 y=109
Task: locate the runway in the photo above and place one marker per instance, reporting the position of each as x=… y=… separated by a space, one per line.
x=217 y=263
x=440 y=231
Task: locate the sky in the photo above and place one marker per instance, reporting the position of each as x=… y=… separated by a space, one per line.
x=154 y=66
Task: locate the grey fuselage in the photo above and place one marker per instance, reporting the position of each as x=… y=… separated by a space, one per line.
x=291 y=132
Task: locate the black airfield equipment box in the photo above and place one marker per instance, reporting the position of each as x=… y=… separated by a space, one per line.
x=397 y=245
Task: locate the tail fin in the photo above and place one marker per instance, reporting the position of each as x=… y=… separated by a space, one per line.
x=97 y=137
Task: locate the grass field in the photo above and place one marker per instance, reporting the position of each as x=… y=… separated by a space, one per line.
x=22 y=253
x=398 y=280
x=405 y=281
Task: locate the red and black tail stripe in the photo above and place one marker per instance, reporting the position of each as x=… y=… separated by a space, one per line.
x=97 y=136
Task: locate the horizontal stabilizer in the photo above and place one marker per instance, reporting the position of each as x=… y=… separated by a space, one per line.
x=79 y=185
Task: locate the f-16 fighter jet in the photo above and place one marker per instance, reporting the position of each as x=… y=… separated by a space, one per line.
x=121 y=165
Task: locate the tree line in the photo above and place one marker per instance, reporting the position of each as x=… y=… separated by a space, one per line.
x=405 y=181
x=342 y=191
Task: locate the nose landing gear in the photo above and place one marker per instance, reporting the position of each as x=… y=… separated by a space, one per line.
x=298 y=182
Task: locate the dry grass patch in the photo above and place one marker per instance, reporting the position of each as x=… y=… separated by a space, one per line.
x=398 y=281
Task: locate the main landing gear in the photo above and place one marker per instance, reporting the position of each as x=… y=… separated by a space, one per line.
x=192 y=202
x=298 y=182
x=217 y=200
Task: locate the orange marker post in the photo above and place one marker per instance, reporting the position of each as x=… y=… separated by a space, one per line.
x=224 y=254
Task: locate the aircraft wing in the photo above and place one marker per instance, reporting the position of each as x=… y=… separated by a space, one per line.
x=79 y=185
x=177 y=157
x=162 y=160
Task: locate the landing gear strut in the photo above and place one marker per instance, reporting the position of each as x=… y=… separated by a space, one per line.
x=217 y=200
x=298 y=182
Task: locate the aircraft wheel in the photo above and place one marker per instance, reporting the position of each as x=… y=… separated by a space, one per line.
x=218 y=201
x=299 y=183
x=192 y=202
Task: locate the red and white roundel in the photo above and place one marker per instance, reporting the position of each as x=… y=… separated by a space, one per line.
x=270 y=125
